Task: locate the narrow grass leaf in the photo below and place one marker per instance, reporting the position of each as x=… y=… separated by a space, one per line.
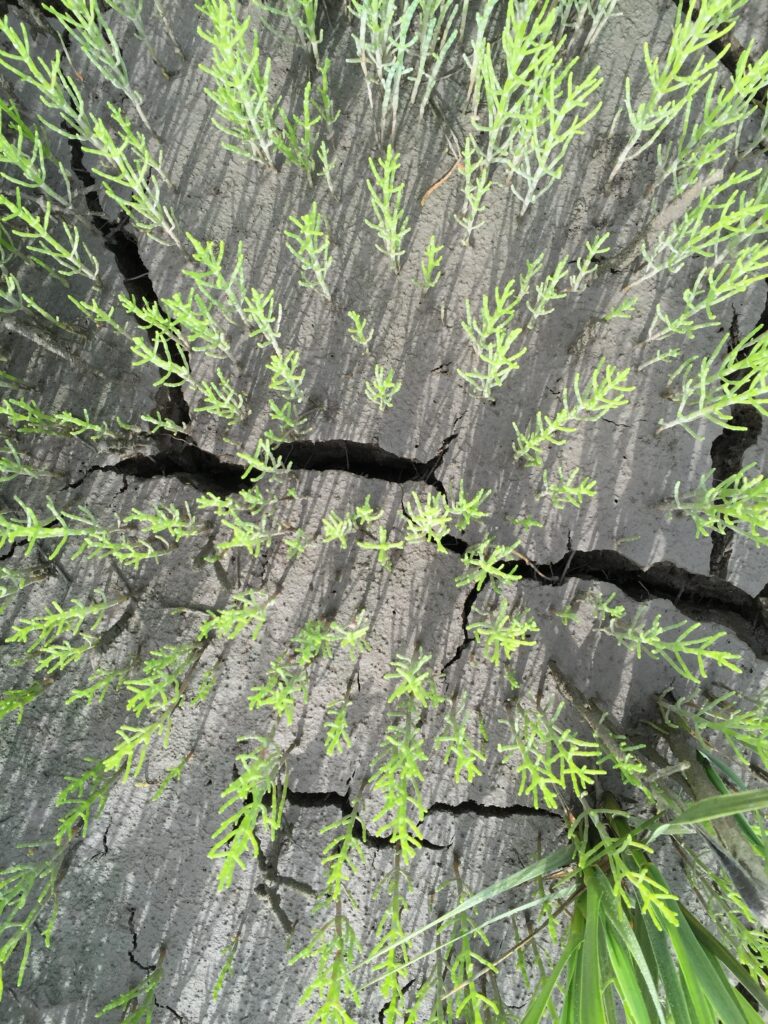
x=590 y=1001
x=551 y=862
x=729 y=961
x=677 y=1001
x=538 y=1007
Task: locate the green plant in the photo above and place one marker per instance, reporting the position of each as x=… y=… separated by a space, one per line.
x=358 y=331
x=391 y=222
x=84 y=21
x=568 y=490
x=383 y=388
x=125 y=161
x=734 y=374
x=529 y=139
x=245 y=113
x=140 y=1001
x=302 y=14
x=677 y=644
x=606 y=390
x=310 y=246
x=738 y=503
x=552 y=760
x=674 y=84
x=431 y=263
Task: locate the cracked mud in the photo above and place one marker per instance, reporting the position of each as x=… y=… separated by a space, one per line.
x=159 y=857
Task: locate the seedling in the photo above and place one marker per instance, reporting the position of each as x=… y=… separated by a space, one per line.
x=431 y=263
x=383 y=388
x=568 y=490
x=358 y=331
x=606 y=390
x=391 y=222
x=302 y=14
x=84 y=21
x=310 y=246
x=674 y=84
x=739 y=503
x=733 y=374
x=245 y=113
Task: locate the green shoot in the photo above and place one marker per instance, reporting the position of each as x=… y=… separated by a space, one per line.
x=302 y=14
x=391 y=222
x=244 y=112
x=503 y=634
x=140 y=1001
x=735 y=374
x=674 y=83
x=606 y=390
x=83 y=21
x=431 y=263
x=383 y=388
x=257 y=796
x=358 y=331
x=738 y=503
x=677 y=644
x=552 y=761
x=310 y=247
x=568 y=490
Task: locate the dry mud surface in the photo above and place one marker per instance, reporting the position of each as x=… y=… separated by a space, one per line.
x=141 y=878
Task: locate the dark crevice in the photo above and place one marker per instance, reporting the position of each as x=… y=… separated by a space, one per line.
x=342 y=802
x=466 y=608
x=122 y=244
x=492 y=811
x=727 y=454
x=170 y=1009
x=382 y=1015
x=699 y=597
x=207 y=472
x=135 y=943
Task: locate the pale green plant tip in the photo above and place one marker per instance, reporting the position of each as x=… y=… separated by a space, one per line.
x=391 y=222
x=310 y=246
x=383 y=388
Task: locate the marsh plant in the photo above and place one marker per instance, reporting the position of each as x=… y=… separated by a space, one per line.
x=178 y=559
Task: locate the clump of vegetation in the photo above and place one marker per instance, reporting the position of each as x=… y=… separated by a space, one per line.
x=285 y=357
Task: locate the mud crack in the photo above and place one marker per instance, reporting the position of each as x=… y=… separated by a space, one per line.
x=123 y=246
x=699 y=597
x=491 y=810
x=342 y=802
x=135 y=943
x=466 y=608
x=208 y=472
